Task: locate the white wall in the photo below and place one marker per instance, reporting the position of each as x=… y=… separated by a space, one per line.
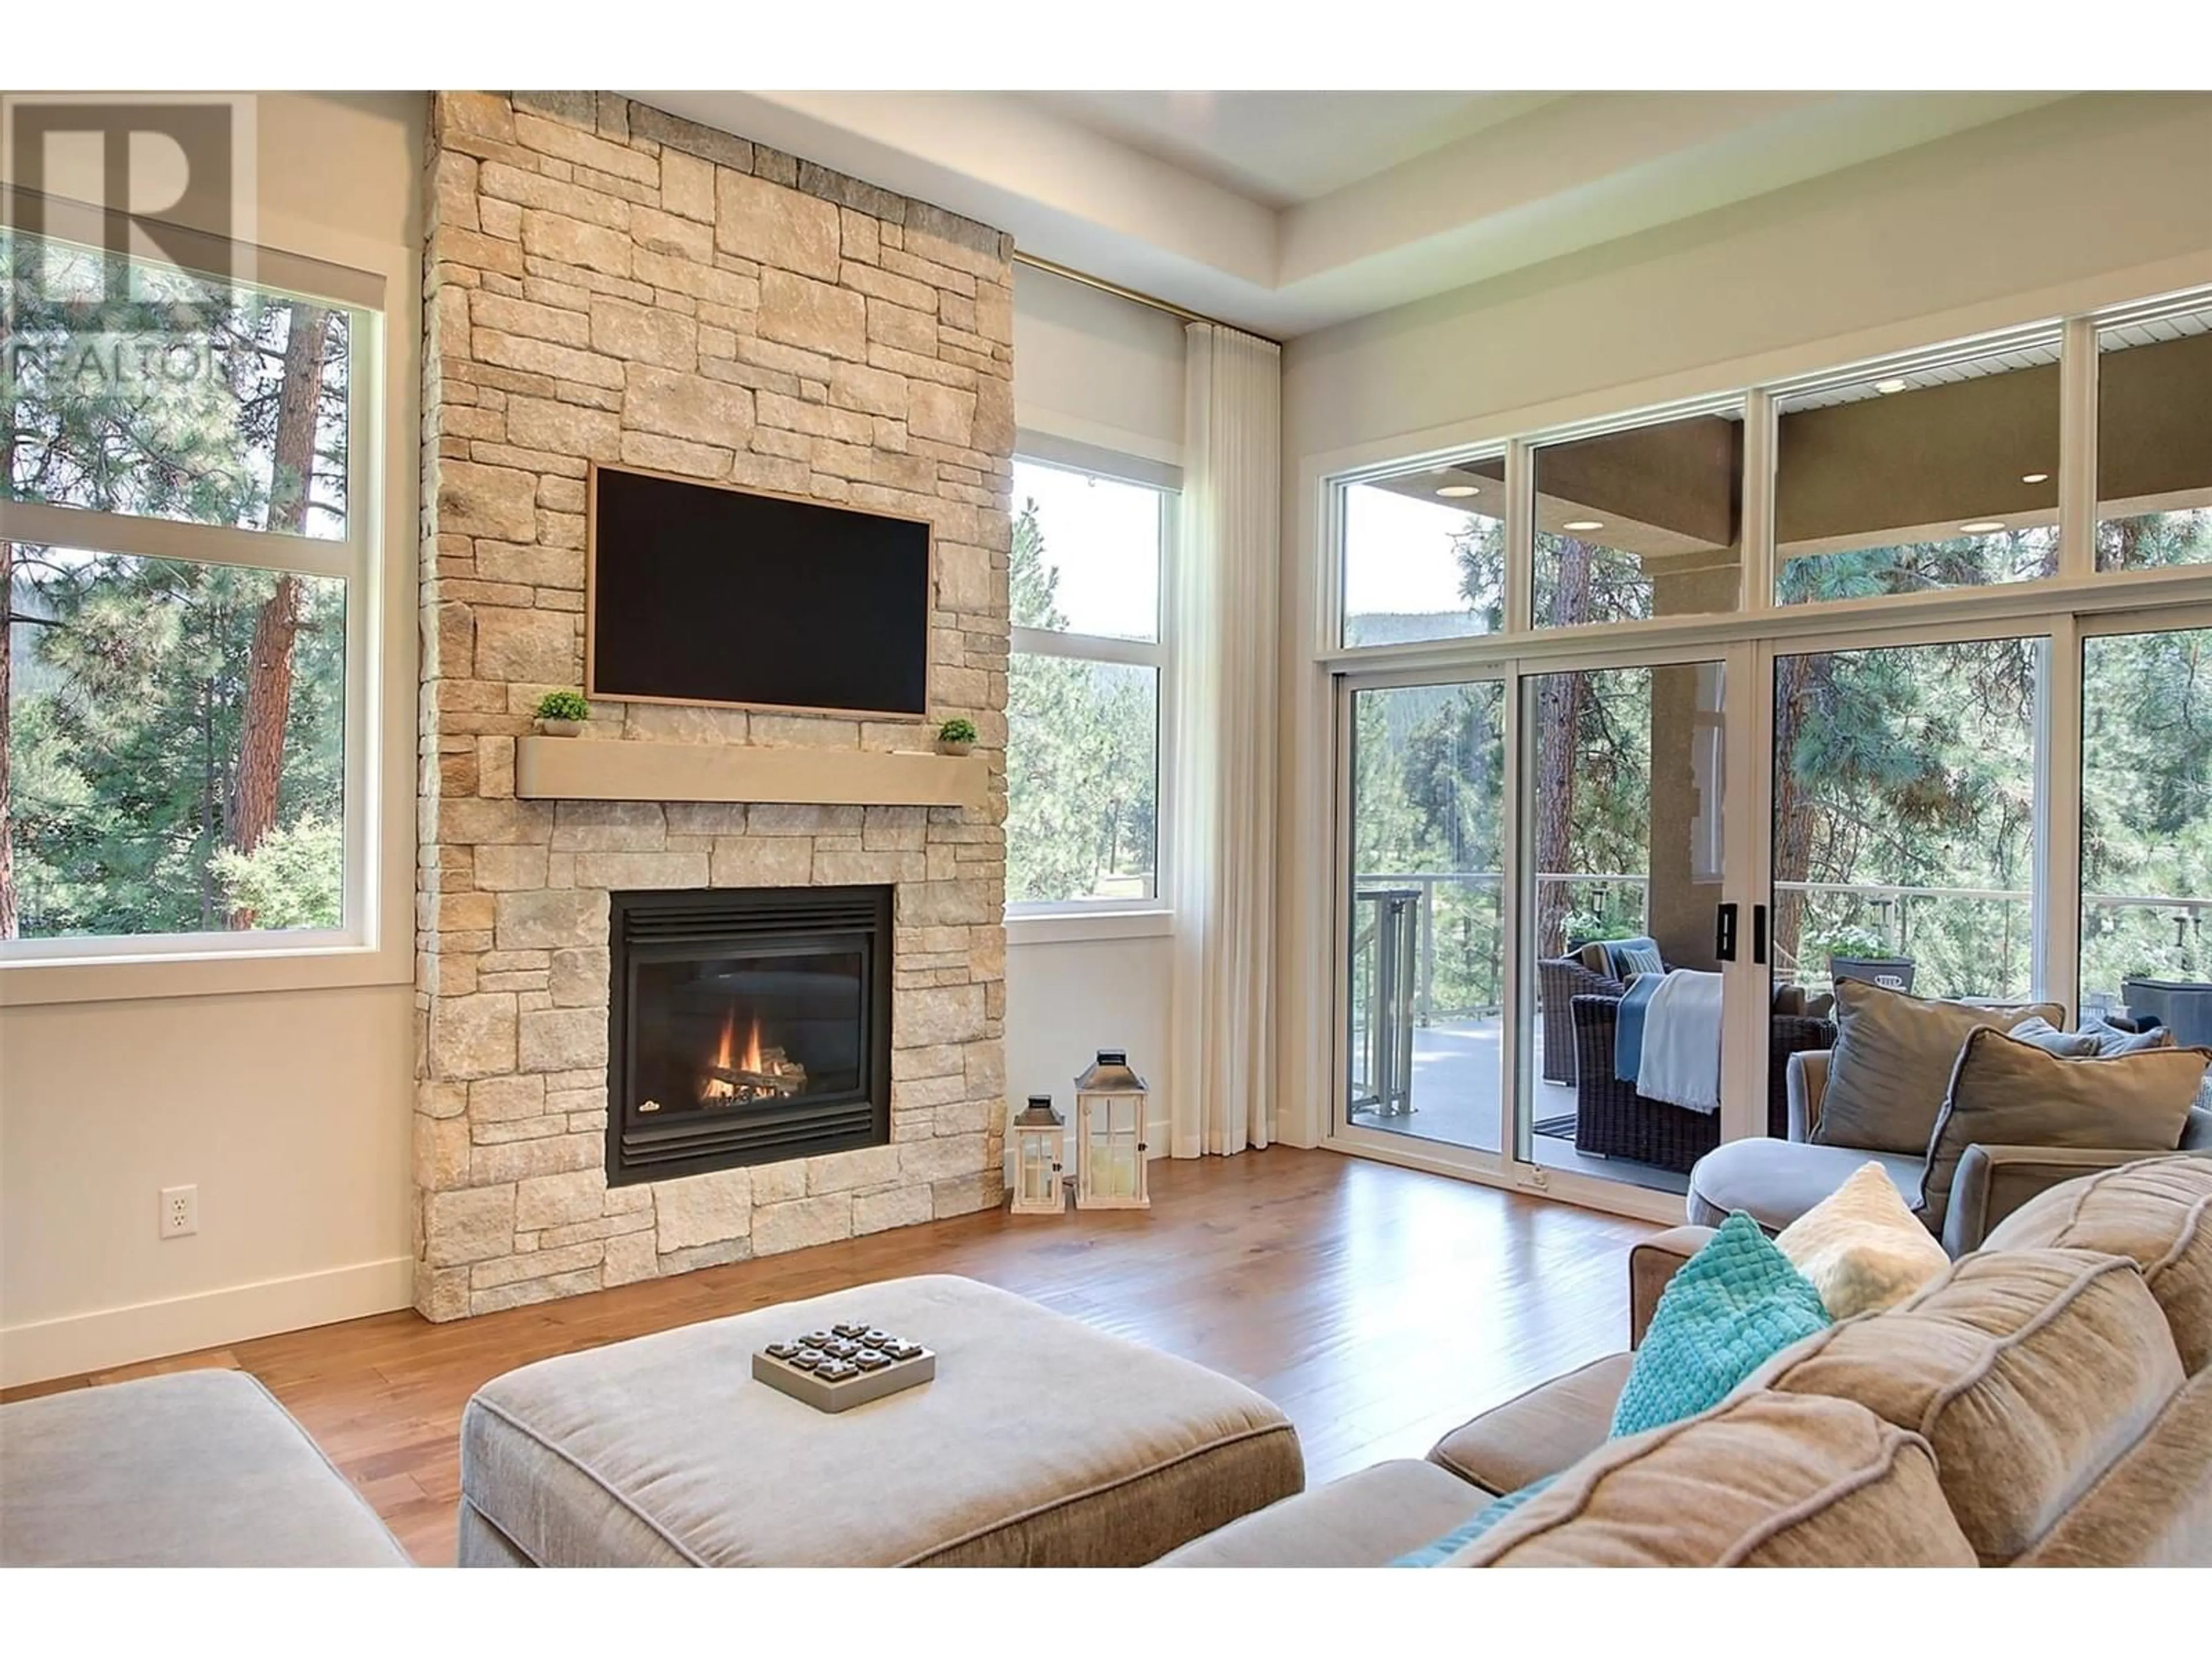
x=2082 y=203
x=2069 y=193
x=288 y=1108
x=1101 y=370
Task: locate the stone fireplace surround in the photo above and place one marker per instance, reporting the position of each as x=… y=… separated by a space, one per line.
x=604 y=281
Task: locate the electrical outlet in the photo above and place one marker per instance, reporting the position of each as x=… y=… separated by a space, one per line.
x=180 y=1212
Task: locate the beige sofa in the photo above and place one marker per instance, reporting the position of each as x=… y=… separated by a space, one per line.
x=2047 y=1402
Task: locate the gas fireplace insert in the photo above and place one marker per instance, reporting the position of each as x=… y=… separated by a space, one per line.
x=746 y=1025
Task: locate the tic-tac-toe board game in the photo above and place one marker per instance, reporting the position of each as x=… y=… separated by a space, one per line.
x=846 y=1366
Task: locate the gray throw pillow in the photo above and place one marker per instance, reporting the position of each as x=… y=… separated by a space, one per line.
x=2009 y=1093
x=2067 y=1045
x=2112 y=1040
x=1893 y=1061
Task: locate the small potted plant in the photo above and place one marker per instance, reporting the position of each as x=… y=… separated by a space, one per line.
x=957 y=736
x=562 y=713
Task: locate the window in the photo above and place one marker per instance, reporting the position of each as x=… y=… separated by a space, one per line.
x=1082 y=694
x=2153 y=442
x=185 y=610
x=1424 y=553
x=1916 y=479
x=1904 y=815
x=1645 y=522
x=2146 y=818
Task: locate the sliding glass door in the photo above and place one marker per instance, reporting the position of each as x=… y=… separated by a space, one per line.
x=2146 y=844
x=1535 y=900
x=1426 y=959
x=1628 y=919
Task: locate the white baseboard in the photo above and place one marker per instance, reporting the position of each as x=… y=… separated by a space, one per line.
x=153 y=1330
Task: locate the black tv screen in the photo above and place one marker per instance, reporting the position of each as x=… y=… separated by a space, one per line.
x=704 y=593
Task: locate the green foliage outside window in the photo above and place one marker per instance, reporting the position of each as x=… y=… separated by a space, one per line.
x=172 y=734
x=1908 y=767
x=1082 y=756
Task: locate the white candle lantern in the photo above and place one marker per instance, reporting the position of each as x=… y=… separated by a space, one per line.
x=1037 y=1189
x=1109 y=1136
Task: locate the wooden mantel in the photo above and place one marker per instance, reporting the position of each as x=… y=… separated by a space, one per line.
x=586 y=768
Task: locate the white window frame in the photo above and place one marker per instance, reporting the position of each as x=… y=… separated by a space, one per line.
x=371 y=945
x=1047 y=921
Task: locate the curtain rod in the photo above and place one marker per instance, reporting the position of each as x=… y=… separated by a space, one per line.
x=1103 y=286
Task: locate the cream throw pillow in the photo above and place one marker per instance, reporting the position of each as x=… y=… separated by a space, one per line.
x=1863 y=1250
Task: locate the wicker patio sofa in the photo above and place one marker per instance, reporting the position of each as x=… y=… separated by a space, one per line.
x=1613 y=1121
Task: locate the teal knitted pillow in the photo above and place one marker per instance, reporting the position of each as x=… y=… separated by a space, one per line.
x=1729 y=1308
x=1437 y=1553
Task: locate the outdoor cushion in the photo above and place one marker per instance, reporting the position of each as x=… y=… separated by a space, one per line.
x=2158 y=1213
x=1762 y=1480
x=1734 y=1305
x=1631 y=957
x=2009 y=1093
x=1893 y=1061
x=1365 y=1520
x=2030 y=1372
x=1863 y=1250
x=1775 y=1182
x=198 y=1468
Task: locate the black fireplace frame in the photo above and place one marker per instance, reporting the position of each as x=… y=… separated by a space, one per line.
x=655 y=925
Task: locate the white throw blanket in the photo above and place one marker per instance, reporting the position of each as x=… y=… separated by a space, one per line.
x=1682 y=1061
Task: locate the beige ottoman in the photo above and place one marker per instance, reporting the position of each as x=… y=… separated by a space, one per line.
x=1040 y=1442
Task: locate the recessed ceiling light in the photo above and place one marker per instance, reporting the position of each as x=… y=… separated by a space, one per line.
x=1982 y=526
x=2035 y=478
x=1583 y=523
x=1888 y=386
x=1456 y=492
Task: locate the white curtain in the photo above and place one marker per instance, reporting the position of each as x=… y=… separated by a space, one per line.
x=1221 y=846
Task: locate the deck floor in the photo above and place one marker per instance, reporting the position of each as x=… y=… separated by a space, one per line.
x=1458 y=1080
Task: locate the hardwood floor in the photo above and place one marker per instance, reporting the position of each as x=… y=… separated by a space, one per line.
x=1378 y=1306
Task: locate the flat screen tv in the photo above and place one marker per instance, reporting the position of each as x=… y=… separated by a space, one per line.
x=706 y=593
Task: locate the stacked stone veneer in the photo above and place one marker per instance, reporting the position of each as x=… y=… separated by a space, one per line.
x=607 y=283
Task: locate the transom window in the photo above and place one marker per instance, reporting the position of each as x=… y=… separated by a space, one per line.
x=183 y=561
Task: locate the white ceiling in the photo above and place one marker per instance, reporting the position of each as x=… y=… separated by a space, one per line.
x=1285 y=212
x=1284 y=147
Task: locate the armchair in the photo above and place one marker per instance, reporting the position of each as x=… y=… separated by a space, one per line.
x=1776 y=1180
x=1560 y=981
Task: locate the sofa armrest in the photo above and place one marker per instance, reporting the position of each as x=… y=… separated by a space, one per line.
x=1807 y=1082
x=1995 y=1180
x=1651 y=1263
x=2197 y=1133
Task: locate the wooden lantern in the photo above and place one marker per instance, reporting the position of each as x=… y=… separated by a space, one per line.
x=1037 y=1189
x=1109 y=1136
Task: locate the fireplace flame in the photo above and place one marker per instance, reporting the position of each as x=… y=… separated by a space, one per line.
x=750 y=1074
x=748 y=1061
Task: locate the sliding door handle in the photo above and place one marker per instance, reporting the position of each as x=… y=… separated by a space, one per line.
x=1759 y=934
x=1724 y=933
